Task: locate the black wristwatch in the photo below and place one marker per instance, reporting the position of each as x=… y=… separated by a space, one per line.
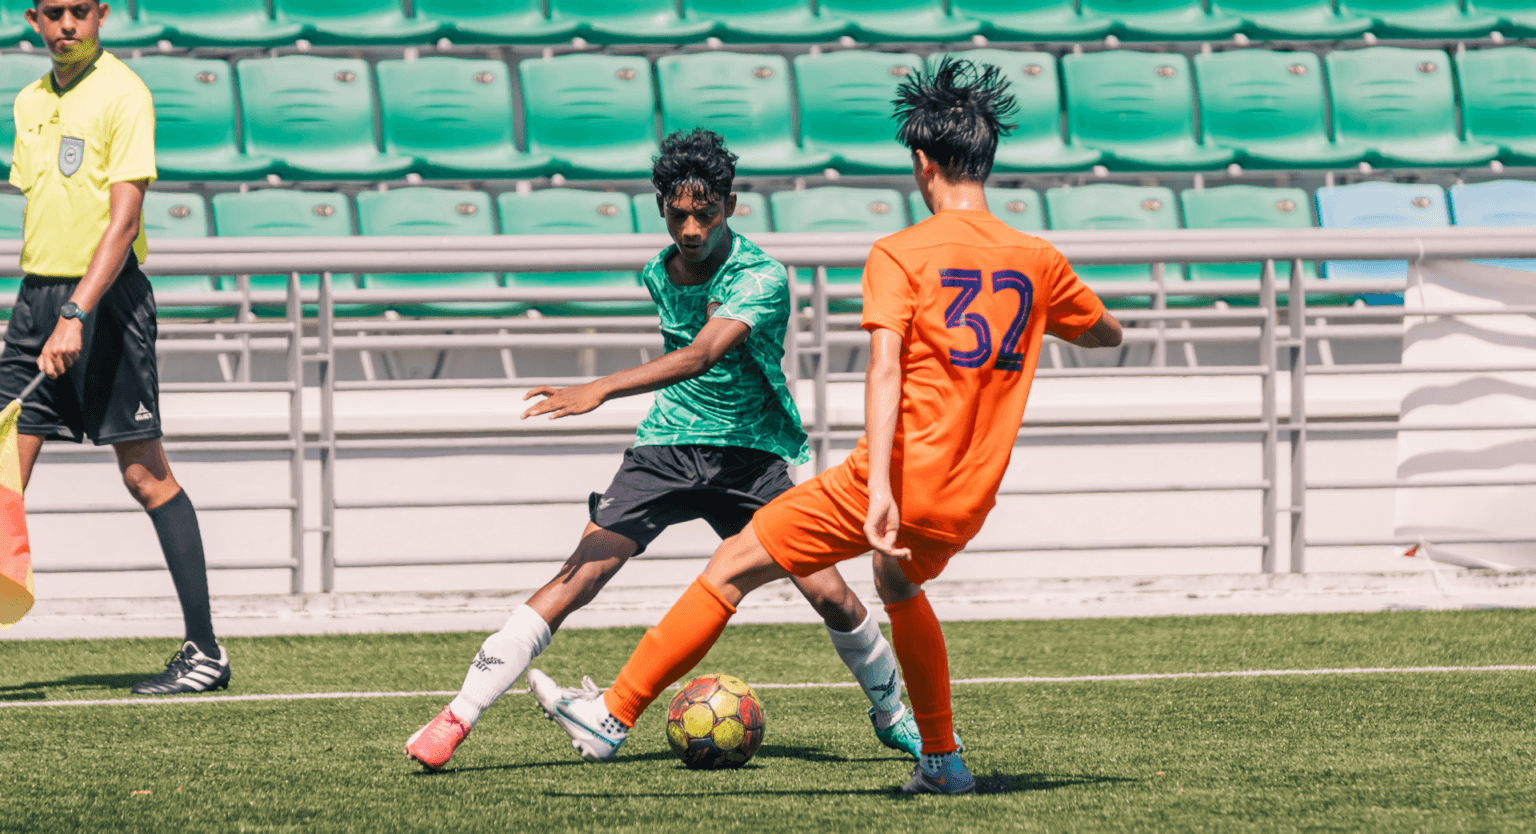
x=71 y=310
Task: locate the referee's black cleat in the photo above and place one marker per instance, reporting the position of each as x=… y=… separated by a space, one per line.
x=189 y=670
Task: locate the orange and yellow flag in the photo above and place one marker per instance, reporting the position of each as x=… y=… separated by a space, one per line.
x=15 y=551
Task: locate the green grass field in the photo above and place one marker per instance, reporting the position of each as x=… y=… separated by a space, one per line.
x=1389 y=752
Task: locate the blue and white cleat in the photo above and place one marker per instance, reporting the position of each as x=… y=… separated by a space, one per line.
x=594 y=732
x=945 y=773
x=904 y=735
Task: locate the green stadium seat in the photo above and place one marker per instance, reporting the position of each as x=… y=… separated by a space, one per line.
x=13 y=22
x=454 y=115
x=1031 y=20
x=219 y=22
x=1498 y=100
x=744 y=98
x=315 y=117
x=357 y=21
x=120 y=30
x=839 y=209
x=900 y=20
x=845 y=108
x=1020 y=208
x=1311 y=19
x=432 y=212
x=570 y=211
x=1138 y=108
x=1036 y=143
x=751 y=217
x=279 y=212
x=496 y=21
x=630 y=21
x=766 y=21
x=1516 y=17
x=1108 y=206
x=594 y=114
x=170 y=215
x=1421 y=18
x=1250 y=207
x=1270 y=108
x=17 y=72
x=195 y=120
x=13 y=218
x=1398 y=103
x=1162 y=19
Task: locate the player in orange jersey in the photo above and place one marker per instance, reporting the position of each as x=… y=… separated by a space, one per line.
x=956 y=307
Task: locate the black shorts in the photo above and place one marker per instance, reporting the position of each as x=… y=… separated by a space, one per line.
x=658 y=486
x=112 y=393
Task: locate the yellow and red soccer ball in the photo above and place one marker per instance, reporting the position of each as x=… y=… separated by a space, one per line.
x=715 y=722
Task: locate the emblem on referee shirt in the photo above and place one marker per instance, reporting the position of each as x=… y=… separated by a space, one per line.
x=71 y=154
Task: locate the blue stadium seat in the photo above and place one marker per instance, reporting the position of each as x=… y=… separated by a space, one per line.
x=751 y=215
x=170 y=215
x=195 y=135
x=1499 y=203
x=1036 y=143
x=280 y=212
x=1379 y=205
x=1117 y=207
x=839 y=209
x=17 y=72
x=1137 y=107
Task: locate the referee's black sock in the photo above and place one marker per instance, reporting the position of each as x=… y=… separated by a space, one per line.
x=182 y=541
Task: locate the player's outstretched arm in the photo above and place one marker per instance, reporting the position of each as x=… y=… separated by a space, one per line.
x=1104 y=333
x=125 y=204
x=882 y=404
x=717 y=338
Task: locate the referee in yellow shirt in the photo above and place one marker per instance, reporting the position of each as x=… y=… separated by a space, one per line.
x=85 y=315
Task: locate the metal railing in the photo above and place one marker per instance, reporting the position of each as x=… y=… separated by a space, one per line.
x=1283 y=335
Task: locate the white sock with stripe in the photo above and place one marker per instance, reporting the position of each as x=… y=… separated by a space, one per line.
x=869 y=657
x=500 y=662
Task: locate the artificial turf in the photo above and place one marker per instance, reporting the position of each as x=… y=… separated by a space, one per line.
x=1401 y=751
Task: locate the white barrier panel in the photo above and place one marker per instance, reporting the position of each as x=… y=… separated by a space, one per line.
x=1493 y=398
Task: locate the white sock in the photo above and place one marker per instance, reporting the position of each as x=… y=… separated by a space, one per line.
x=501 y=661
x=869 y=657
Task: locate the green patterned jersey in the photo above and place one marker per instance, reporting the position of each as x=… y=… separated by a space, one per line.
x=743 y=400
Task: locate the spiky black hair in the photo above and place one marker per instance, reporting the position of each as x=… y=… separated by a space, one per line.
x=696 y=162
x=954 y=113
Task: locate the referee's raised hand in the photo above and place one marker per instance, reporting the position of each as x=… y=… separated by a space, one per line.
x=62 y=348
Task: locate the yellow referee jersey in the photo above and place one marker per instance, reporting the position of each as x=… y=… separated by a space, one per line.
x=71 y=145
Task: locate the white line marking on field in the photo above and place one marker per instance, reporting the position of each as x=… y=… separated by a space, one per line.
x=1150 y=676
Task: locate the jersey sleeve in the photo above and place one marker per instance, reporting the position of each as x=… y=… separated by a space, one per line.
x=757 y=296
x=1074 y=307
x=131 y=142
x=890 y=300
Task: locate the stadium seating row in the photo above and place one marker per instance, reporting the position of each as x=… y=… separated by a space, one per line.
x=248 y=23
x=560 y=211
x=594 y=116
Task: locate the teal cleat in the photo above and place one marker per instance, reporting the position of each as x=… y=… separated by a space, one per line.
x=945 y=774
x=904 y=735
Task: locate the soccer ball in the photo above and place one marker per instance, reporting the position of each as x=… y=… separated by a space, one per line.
x=715 y=722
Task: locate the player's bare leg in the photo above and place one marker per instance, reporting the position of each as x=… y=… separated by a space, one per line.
x=504 y=655
x=925 y=664
x=201 y=664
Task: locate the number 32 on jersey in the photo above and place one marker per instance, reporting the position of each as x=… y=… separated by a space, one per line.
x=969 y=282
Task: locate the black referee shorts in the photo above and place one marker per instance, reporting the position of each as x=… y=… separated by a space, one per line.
x=658 y=486
x=112 y=393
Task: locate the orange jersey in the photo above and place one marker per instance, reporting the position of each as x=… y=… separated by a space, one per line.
x=971 y=298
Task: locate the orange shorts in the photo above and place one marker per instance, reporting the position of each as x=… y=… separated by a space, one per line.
x=821 y=522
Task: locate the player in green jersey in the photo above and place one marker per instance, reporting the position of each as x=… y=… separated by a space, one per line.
x=716 y=445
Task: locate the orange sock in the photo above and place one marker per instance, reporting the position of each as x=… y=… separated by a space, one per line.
x=670 y=648
x=919 y=647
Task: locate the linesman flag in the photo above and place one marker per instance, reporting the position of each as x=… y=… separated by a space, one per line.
x=15 y=550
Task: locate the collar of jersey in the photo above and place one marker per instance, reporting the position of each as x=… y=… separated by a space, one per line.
x=661 y=263
x=53 y=81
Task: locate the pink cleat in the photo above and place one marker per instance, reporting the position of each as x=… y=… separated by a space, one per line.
x=433 y=745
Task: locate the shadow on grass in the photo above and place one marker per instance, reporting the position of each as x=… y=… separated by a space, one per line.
x=996 y=783
x=33 y=691
x=767 y=751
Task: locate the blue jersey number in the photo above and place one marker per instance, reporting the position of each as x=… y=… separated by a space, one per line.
x=968 y=281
